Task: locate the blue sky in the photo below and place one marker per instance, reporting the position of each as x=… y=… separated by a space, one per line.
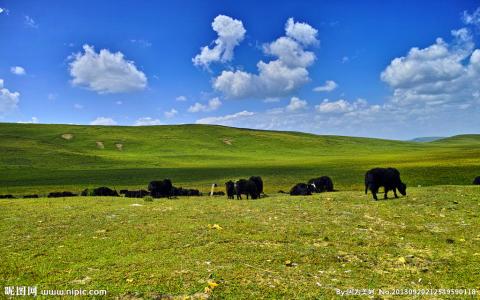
x=329 y=67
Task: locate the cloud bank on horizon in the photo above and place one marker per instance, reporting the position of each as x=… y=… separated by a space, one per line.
x=278 y=84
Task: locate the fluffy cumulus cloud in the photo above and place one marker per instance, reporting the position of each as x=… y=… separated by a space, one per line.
x=230 y=33
x=213 y=104
x=171 y=113
x=340 y=106
x=147 y=121
x=105 y=72
x=329 y=86
x=279 y=77
x=8 y=100
x=103 y=121
x=296 y=104
x=17 y=70
x=442 y=74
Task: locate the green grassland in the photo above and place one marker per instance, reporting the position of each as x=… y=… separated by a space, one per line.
x=37 y=159
x=278 y=247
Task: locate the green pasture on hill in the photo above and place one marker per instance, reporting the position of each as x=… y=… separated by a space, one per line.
x=41 y=158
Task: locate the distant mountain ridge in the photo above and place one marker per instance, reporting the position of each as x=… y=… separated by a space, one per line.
x=426 y=139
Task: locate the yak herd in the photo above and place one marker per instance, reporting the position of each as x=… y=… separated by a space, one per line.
x=388 y=178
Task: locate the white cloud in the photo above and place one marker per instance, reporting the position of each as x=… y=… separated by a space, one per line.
x=213 y=104
x=181 y=98
x=8 y=100
x=147 y=121
x=277 y=78
x=171 y=113
x=227 y=119
x=105 y=72
x=33 y=120
x=118 y=102
x=440 y=74
x=17 y=70
x=473 y=18
x=1 y=10
x=340 y=106
x=230 y=33
x=77 y=106
x=296 y=104
x=329 y=86
x=301 y=32
x=345 y=59
x=30 y=22
x=103 y=121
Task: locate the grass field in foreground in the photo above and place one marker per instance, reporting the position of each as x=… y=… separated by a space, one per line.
x=429 y=239
x=37 y=158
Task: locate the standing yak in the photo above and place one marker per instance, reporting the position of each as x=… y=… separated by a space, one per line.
x=159 y=189
x=389 y=178
x=259 y=183
x=230 y=189
x=476 y=180
x=322 y=184
x=246 y=187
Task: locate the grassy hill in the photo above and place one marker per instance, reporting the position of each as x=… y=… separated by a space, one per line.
x=40 y=158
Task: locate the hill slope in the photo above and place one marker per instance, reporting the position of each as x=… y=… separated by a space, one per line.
x=44 y=157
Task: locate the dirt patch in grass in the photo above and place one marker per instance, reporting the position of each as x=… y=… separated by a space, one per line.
x=67 y=136
x=227 y=141
x=119 y=146
x=100 y=145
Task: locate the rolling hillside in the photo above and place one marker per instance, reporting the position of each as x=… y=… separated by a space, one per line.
x=40 y=158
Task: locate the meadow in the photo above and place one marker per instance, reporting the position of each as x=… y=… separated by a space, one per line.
x=277 y=247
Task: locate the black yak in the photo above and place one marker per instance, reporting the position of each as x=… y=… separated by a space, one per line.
x=389 y=178
x=322 y=184
x=100 y=191
x=302 y=189
x=7 y=196
x=259 y=183
x=230 y=189
x=246 y=187
x=476 y=180
x=159 y=189
x=61 y=194
x=135 y=194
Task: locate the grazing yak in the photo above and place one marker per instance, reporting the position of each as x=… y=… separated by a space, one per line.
x=322 y=184
x=61 y=194
x=476 y=180
x=159 y=189
x=259 y=183
x=246 y=187
x=230 y=189
x=389 y=178
x=185 y=192
x=302 y=189
x=135 y=194
x=7 y=197
x=100 y=191
x=30 y=196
